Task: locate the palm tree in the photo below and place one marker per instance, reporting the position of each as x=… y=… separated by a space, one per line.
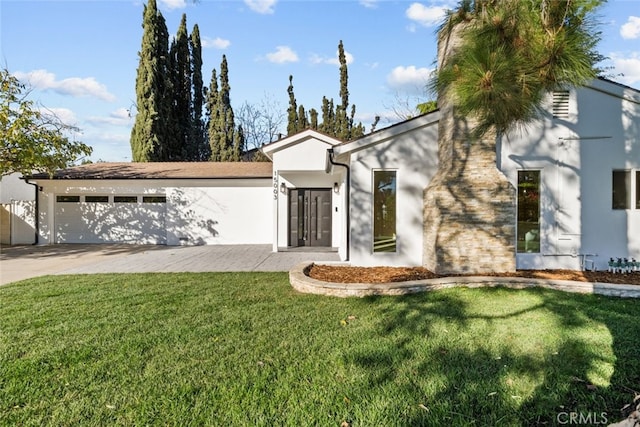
x=497 y=59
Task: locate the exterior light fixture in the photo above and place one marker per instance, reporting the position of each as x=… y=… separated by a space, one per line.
x=283 y=188
x=336 y=188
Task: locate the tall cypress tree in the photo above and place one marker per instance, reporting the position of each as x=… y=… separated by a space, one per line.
x=225 y=141
x=342 y=122
x=148 y=135
x=181 y=120
x=292 y=110
x=227 y=125
x=216 y=146
x=198 y=149
x=335 y=118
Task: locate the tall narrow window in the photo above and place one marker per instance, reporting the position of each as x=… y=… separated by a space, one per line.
x=621 y=190
x=528 y=211
x=638 y=189
x=384 y=211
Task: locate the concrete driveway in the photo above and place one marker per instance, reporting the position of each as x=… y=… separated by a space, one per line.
x=23 y=262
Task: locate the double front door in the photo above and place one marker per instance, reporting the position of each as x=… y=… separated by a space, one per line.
x=309 y=217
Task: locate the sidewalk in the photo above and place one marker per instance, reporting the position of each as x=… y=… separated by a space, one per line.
x=23 y=262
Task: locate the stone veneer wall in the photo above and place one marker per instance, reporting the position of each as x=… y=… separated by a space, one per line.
x=469 y=205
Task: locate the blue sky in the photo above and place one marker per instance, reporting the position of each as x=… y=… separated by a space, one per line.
x=80 y=56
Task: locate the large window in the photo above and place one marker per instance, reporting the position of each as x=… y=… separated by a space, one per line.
x=529 y=211
x=621 y=190
x=384 y=211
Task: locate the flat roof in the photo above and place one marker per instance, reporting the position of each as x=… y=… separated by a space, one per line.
x=163 y=170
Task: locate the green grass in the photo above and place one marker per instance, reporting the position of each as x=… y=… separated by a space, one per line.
x=246 y=349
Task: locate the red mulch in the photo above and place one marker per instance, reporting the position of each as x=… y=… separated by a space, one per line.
x=344 y=274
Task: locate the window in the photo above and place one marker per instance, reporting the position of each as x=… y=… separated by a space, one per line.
x=637 y=189
x=154 y=199
x=384 y=211
x=125 y=199
x=528 y=211
x=621 y=190
x=68 y=199
x=96 y=199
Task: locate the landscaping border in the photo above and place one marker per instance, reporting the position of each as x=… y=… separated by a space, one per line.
x=303 y=283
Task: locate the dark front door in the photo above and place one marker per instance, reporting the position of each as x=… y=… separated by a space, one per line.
x=310 y=217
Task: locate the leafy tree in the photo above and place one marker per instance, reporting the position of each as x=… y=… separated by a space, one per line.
x=32 y=140
x=427 y=107
x=153 y=89
x=511 y=53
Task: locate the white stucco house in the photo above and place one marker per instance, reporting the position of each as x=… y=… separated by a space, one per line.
x=576 y=173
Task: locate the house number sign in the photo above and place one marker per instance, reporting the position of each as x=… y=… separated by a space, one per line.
x=275 y=185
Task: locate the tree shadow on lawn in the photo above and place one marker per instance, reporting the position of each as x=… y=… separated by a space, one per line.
x=533 y=361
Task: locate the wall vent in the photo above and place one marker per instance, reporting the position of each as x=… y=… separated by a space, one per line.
x=561 y=104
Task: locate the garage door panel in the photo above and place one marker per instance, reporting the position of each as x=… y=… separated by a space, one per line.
x=111 y=223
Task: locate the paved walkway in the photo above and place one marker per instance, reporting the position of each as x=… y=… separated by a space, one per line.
x=23 y=262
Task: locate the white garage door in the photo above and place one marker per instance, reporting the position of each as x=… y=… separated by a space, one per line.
x=110 y=219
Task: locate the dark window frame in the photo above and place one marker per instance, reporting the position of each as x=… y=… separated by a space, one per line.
x=65 y=198
x=528 y=210
x=96 y=199
x=154 y=199
x=125 y=199
x=384 y=210
x=621 y=189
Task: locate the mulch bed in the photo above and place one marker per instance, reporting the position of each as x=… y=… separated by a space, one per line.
x=345 y=274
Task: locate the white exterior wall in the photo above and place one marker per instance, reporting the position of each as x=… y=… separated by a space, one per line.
x=19 y=200
x=576 y=157
x=231 y=211
x=220 y=212
x=414 y=155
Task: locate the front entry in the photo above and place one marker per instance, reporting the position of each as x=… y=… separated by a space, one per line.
x=310 y=217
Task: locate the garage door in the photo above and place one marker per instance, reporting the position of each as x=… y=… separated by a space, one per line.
x=110 y=219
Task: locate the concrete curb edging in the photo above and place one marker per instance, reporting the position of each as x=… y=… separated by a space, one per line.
x=305 y=284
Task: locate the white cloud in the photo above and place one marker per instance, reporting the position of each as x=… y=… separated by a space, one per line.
x=119 y=117
x=217 y=43
x=265 y=7
x=73 y=86
x=317 y=59
x=369 y=4
x=628 y=66
x=426 y=16
x=409 y=79
x=631 y=30
x=282 y=54
x=173 y=4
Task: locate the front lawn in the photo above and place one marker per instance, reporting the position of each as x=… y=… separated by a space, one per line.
x=244 y=349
